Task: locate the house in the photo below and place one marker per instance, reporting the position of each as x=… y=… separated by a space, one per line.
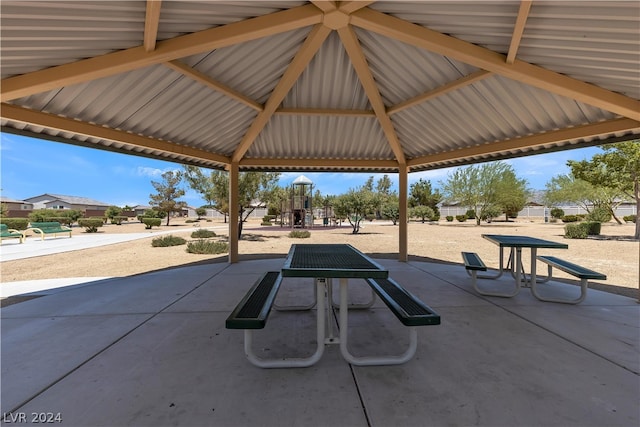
x=16 y=208
x=59 y=201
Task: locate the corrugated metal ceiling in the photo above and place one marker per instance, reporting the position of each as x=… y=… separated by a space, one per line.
x=216 y=106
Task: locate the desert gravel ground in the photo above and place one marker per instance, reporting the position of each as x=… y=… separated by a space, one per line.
x=614 y=253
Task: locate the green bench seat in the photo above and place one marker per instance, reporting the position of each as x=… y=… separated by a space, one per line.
x=406 y=307
x=473 y=263
x=253 y=310
x=10 y=233
x=52 y=227
x=582 y=273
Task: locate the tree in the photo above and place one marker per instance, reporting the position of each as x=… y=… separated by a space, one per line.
x=168 y=193
x=617 y=169
x=391 y=208
x=421 y=194
x=211 y=187
x=511 y=195
x=422 y=212
x=476 y=186
x=255 y=190
x=112 y=211
x=355 y=205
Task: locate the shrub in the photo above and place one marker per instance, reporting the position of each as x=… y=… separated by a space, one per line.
x=570 y=218
x=202 y=246
x=557 y=213
x=593 y=227
x=15 y=223
x=449 y=218
x=91 y=225
x=575 y=231
x=203 y=233
x=63 y=216
x=471 y=214
x=629 y=218
x=599 y=215
x=461 y=218
x=299 y=234
x=489 y=213
x=117 y=220
x=151 y=222
x=168 y=240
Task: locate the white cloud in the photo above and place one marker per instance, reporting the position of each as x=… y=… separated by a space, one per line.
x=152 y=172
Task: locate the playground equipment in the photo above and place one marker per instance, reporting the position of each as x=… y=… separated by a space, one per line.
x=297 y=212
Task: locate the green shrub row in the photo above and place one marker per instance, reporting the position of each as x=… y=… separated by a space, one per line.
x=209 y=247
x=168 y=240
x=630 y=218
x=203 y=233
x=15 y=223
x=582 y=230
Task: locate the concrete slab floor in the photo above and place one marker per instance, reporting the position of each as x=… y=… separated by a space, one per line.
x=152 y=350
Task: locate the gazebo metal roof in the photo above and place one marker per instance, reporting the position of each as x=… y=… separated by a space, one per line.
x=322 y=85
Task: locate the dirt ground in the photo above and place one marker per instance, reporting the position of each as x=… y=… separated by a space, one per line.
x=614 y=253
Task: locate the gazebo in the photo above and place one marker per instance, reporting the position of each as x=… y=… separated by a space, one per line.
x=392 y=87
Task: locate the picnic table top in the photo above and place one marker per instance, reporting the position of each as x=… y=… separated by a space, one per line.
x=523 y=242
x=330 y=261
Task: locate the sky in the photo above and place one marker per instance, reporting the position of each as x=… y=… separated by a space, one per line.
x=30 y=167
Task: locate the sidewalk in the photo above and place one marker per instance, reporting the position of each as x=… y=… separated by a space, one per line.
x=35 y=247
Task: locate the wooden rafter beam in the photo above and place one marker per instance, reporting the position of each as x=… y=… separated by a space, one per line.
x=166 y=50
x=202 y=78
x=318 y=163
x=351 y=6
x=323 y=112
x=454 y=85
x=518 y=30
x=324 y=5
x=529 y=142
x=359 y=62
x=151 y=21
x=64 y=124
x=419 y=36
x=309 y=48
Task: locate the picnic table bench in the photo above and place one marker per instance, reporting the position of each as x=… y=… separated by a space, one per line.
x=584 y=274
x=10 y=233
x=52 y=227
x=253 y=310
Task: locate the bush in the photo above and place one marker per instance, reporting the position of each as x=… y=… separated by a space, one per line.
x=593 y=227
x=117 y=220
x=461 y=218
x=449 y=218
x=15 y=223
x=575 y=231
x=207 y=247
x=91 y=225
x=599 y=215
x=169 y=240
x=151 y=222
x=629 y=218
x=557 y=213
x=570 y=218
x=299 y=234
x=203 y=233
x=489 y=213
x=471 y=214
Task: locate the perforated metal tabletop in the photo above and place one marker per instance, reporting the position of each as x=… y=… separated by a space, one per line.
x=330 y=260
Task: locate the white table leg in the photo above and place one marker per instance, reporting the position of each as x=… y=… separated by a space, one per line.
x=294 y=362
